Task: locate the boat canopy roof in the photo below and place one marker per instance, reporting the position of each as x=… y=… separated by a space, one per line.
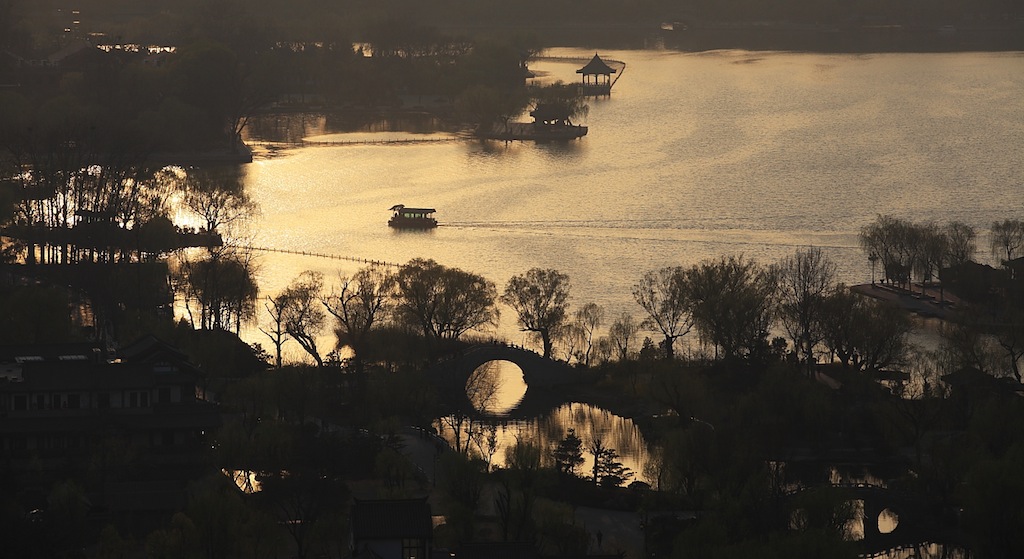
x=403 y=208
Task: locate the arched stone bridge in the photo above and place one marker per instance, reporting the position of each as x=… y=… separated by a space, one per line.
x=918 y=520
x=542 y=377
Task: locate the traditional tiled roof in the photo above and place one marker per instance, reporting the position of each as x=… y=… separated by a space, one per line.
x=596 y=66
x=390 y=519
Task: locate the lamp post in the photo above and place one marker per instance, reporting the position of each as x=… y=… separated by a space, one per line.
x=873 y=258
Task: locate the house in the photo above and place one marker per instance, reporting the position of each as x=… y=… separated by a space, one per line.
x=392 y=529
x=59 y=404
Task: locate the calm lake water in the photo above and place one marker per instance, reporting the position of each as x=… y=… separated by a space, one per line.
x=694 y=156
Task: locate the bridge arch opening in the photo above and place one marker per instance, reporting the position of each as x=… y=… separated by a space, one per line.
x=888 y=521
x=496 y=387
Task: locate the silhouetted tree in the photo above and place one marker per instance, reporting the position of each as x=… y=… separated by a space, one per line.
x=540 y=298
x=892 y=241
x=1007 y=237
x=221 y=283
x=865 y=334
x=805 y=279
x=665 y=296
x=733 y=305
x=276 y=308
x=445 y=302
x=364 y=301
x=568 y=454
x=962 y=242
x=607 y=470
x=622 y=331
x=304 y=313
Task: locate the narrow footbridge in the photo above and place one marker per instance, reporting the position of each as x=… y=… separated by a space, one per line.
x=918 y=519
x=542 y=376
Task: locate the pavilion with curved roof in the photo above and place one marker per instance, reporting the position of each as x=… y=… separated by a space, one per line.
x=597 y=77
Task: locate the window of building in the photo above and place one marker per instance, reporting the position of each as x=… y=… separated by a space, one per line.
x=164 y=395
x=133 y=400
x=55 y=402
x=103 y=400
x=74 y=401
x=413 y=549
x=144 y=399
x=20 y=402
x=40 y=401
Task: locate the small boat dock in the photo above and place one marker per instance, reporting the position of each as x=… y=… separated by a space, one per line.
x=527 y=131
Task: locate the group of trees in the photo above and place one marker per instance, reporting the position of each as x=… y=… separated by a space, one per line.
x=732 y=304
x=438 y=302
x=906 y=249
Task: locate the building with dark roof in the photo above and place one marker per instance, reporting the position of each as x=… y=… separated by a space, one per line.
x=392 y=529
x=60 y=403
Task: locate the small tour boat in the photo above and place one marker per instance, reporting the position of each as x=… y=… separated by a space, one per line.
x=412 y=218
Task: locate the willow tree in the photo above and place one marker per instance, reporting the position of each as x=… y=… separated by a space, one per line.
x=664 y=295
x=363 y=301
x=563 y=99
x=805 y=279
x=1007 y=238
x=303 y=312
x=444 y=302
x=540 y=298
x=220 y=287
x=733 y=304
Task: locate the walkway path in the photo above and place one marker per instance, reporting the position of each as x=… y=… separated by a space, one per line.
x=931 y=303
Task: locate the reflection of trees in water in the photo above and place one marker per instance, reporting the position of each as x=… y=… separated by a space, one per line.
x=546 y=431
x=483 y=385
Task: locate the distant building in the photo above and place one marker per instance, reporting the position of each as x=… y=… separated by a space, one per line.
x=392 y=529
x=60 y=403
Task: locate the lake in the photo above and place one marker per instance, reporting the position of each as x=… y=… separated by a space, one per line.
x=694 y=156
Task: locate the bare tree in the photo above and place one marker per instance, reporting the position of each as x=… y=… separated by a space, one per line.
x=590 y=317
x=865 y=334
x=805 y=278
x=962 y=242
x=217 y=198
x=277 y=308
x=892 y=241
x=733 y=304
x=221 y=284
x=445 y=302
x=623 y=331
x=664 y=295
x=1007 y=238
x=932 y=251
x=363 y=301
x=304 y=314
x=540 y=299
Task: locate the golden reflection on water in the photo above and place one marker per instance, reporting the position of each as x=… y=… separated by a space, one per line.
x=496 y=387
x=589 y=422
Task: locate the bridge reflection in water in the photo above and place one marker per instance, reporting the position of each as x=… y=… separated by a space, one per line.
x=508 y=393
x=545 y=431
x=894 y=524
